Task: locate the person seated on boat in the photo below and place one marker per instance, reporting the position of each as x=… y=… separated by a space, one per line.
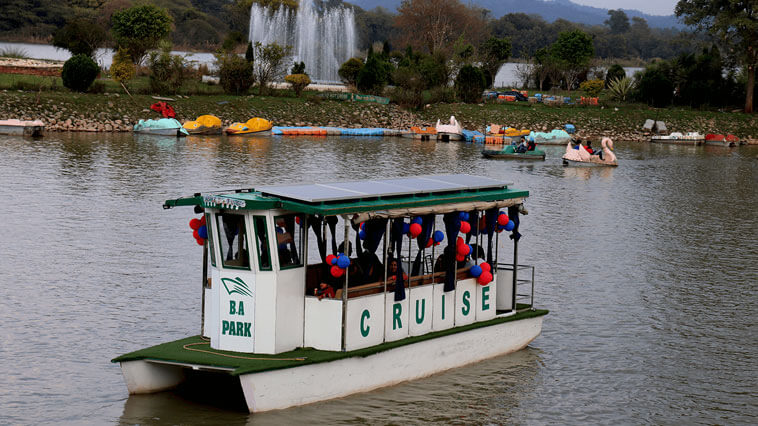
x=593 y=151
x=522 y=147
x=284 y=240
x=531 y=145
x=392 y=267
x=373 y=271
x=324 y=290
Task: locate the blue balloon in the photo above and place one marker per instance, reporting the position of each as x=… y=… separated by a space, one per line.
x=406 y=228
x=470 y=249
x=510 y=226
x=343 y=261
x=438 y=236
x=362 y=234
x=418 y=220
x=202 y=231
x=463 y=216
x=334 y=260
x=475 y=271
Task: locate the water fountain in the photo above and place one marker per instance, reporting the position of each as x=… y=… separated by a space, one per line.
x=322 y=39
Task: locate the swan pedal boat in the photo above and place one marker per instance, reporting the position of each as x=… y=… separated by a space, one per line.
x=580 y=157
x=509 y=153
x=255 y=125
x=449 y=132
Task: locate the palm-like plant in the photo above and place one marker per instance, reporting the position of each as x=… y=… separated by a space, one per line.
x=621 y=88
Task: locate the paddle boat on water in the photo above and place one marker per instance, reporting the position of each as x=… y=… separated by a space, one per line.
x=253 y=126
x=452 y=131
x=509 y=152
x=553 y=137
x=721 y=140
x=577 y=155
x=288 y=320
x=677 y=138
x=204 y=125
x=422 y=133
x=16 y=127
x=162 y=127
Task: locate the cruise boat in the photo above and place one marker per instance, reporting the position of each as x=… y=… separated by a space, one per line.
x=291 y=318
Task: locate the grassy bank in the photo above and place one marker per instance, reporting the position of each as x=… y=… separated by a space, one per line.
x=110 y=109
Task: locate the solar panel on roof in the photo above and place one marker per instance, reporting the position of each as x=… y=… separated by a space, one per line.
x=313 y=193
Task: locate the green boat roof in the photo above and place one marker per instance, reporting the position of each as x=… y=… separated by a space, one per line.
x=358 y=196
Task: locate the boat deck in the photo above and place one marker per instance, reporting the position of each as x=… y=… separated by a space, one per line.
x=195 y=351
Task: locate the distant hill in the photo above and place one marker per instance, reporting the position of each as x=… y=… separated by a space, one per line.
x=550 y=10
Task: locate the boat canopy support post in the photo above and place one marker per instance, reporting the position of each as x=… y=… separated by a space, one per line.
x=386 y=254
x=344 y=286
x=206 y=247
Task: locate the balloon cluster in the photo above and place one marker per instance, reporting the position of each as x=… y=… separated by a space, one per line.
x=462 y=250
x=414 y=229
x=503 y=222
x=482 y=273
x=465 y=226
x=199 y=230
x=435 y=239
x=339 y=263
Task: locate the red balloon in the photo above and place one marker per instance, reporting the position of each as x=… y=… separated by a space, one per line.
x=297 y=220
x=460 y=257
x=459 y=241
x=485 y=278
x=337 y=271
x=415 y=230
x=194 y=223
x=462 y=250
x=503 y=219
x=195 y=234
x=200 y=241
x=465 y=227
x=430 y=242
x=485 y=266
x=202 y=220
x=329 y=259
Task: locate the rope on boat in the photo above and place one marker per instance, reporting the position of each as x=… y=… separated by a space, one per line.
x=238 y=356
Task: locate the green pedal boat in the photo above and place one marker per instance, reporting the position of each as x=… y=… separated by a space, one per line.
x=509 y=152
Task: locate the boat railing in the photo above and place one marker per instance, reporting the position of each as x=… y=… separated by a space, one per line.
x=524 y=275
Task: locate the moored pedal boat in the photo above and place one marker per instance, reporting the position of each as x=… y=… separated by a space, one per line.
x=34 y=128
x=273 y=322
x=452 y=131
x=721 y=140
x=204 y=125
x=677 y=138
x=254 y=126
x=163 y=127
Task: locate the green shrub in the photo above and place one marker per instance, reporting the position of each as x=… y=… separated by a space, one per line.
x=236 y=74
x=654 y=86
x=374 y=75
x=592 y=87
x=79 y=72
x=621 y=88
x=298 y=82
x=348 y=72
x=122 y=68
x=469 y=84
x=166 y=71
x=616 y=71
x=298 y=68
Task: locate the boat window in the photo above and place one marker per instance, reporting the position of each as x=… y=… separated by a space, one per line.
x=208 y=220
x=289 y=240
x=262 y=245
x=234 y=253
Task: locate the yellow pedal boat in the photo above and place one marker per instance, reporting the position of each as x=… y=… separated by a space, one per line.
x=254 y=125
x=204 y=125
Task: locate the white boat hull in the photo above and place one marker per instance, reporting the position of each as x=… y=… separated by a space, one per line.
x=567 y=162
x=279 y=389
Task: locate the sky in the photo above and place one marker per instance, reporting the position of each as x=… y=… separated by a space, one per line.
x=652 y=7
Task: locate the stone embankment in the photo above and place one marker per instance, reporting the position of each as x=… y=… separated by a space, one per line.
x=113 y=112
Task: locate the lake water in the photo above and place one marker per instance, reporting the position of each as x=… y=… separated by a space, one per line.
x=650 y=272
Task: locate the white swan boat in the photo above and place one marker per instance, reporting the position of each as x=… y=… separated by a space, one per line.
x=449 y=132
x=677 y=138
x=576 y=155
x=274 y=328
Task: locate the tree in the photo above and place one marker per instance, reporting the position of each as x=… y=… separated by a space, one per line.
x=235 y=73
x=140 y=28
x=543 y=66
x=493 y=53
x=469 y=84
x=298 y=68
x=270 y=63
x=348 y=72
x=79 y=72
x=374 y=75
x=571 y=54
x=298 y=82
x=122 y=68
x=615 y=72
x=654 y=85
x=433 y=25
x=732 y=22
x=617 y=21
x=80 y=36
x=167 y=71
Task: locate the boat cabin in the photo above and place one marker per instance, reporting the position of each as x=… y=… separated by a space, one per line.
x=349 y=265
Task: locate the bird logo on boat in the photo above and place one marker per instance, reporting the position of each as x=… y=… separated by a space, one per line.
x=236 y=285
